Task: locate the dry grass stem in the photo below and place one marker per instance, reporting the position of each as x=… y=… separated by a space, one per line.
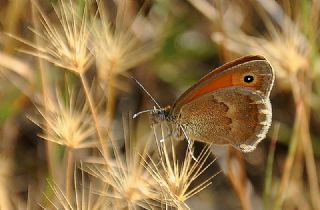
x=84 y=197
x=267 y=196
x=15 y=65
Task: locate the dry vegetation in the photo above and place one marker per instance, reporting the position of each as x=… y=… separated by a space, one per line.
x=68 y=140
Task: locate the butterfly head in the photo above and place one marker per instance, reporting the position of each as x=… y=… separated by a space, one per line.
x=161 y=115
x=157 y=115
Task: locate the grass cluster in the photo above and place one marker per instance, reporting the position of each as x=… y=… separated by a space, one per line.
x=68 y=140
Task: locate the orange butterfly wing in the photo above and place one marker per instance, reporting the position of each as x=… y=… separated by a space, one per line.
x=231 y=74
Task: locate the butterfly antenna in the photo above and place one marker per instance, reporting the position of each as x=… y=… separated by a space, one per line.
x=146 y=93
x=145 y=111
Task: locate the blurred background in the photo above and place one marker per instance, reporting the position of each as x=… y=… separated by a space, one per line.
x=67 y=98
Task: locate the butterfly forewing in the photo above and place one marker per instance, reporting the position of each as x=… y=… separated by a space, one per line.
x=231 y=74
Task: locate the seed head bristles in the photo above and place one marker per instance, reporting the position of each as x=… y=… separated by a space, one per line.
x=175 y=178
x=115 y=46
x=68 y=125
x=85 y=197
x=284 y=45
x=130 y=186
x=65 y=44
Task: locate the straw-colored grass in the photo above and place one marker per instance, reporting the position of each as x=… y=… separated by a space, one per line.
x=68 y=140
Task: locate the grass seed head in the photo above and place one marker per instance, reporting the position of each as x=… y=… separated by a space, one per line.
x=283 y=44
x=175 y=178
x=117 y=47
x=66 y=124
x=64 y=44
x=128 y=183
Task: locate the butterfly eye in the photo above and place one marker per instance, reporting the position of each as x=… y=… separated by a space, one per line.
x=248 y=78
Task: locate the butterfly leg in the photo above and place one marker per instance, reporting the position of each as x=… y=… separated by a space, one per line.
x=166 y=134
x=190 y=144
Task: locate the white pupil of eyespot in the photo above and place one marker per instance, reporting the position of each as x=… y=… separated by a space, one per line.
x=248 y=78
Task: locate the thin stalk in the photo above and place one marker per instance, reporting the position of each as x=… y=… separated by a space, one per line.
x=11 y=22
x=308 y=150
x=269 y=171
x=45 y=83
x=239 y=181
x=95 y=117
x=110 y=107
x=312 y=175
x=110 y=95
x=308 y=153
x=296 y=135
x=69 y=173
x=310 y=166
x=289 y=162
x=111 y=103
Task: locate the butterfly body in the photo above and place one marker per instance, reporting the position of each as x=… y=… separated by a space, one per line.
x=230 y=105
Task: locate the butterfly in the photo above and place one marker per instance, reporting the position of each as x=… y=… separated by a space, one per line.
x=229 y=105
